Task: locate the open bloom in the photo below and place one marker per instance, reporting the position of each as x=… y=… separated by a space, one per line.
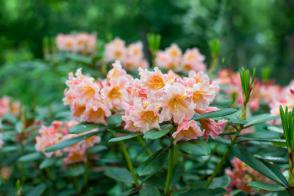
x=84 y=98
x=142 y=116
x=193 y=60
x=211 y=127
x=187 y=130
x=177 y=104
x=172 y=58
x=115 y=50
x=7 y=106
x=80 y=43
x=132 y=56
x=59 y=131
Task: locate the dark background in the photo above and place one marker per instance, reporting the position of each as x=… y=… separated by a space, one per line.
x=257 y=33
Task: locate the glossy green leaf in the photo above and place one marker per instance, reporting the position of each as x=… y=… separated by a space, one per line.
x=267 y=187
x=38 y=190
x=156 y=134
x=115 y=120
x=70 y=142
x=153 y=163
x=254 y=120
x=199 y=148
x=119 y=174
x=82 y=128
x=149 y=190
x=259 y=166
x=47 y=163
x=30 y=157
x=125 y=137
x=215 y=114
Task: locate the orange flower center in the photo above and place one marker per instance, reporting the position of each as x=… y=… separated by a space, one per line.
x=149 y=116
x=155 y=82
x=88 y=92
x=198 y=96
x=177 y=103
x=114 y=93
x=188 y=133
x=78 y=110
x=96 y=114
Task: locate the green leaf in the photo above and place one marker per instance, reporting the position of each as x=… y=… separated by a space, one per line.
x=119 y=174
x=216 y=114
x=82 y=128
x=47 y=163
x=259 y=119
x=259 y=166
x=265 y=186
x=149 y=190
x=206 y=192
x=153 y=163
x=199 y=148
x=125 y=137
x=115 y=120
x=156 y=134
x=220 y=182
x=70 y=142
x=38 y=190
x=76 y=170
x=30 y=157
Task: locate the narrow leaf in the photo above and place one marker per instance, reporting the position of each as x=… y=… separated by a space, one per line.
x=70 y=142
x=216 y=114
x=82 y=128
x=260 y=119
x=125 y=137
x=265 y=186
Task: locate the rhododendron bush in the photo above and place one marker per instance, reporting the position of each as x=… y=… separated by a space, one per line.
x=134 y=119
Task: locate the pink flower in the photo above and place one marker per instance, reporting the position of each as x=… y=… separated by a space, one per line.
x=187 y=130
x=85 y=99
x=176 y=103
x=58 y=132
x=193 y=60
x=135 y=57
x=142 y=116
x=241 y=175
x=79 y=43
x=211 y=127
x=115 y=50
x=152 y=80
x=170 y=58
x=7 y=106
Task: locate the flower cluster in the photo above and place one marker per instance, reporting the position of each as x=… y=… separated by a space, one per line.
x=78 y=43
x=147 y=101
x=131 y=56
x=241 y=175
x=263 y=92
x=173 y=58
x=8 y=107
x=59 y=131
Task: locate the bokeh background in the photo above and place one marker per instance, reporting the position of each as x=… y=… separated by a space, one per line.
x=254 y=33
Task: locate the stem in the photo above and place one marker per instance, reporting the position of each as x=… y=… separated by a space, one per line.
x=129 y=163
x=171 y=163
x=221 y=163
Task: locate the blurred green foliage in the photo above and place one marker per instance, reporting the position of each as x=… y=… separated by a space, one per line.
x=256 y=33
